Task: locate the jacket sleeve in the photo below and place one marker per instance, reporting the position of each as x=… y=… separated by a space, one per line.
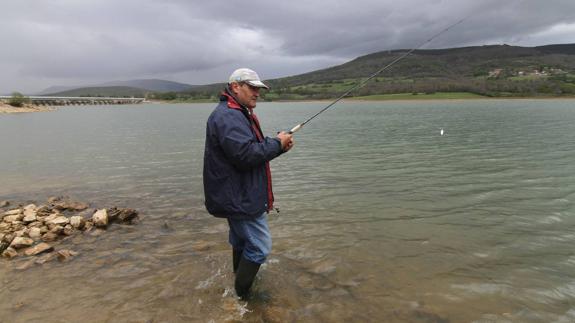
x=241 y=146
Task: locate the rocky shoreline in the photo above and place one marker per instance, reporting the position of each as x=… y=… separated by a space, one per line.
x=35 y=231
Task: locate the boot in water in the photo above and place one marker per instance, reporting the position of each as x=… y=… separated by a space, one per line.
x=237 y=255
x=245 y=276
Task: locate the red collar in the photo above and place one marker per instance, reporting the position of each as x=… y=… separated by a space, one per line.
x=232 y=103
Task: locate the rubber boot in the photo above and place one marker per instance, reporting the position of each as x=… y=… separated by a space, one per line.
x=237 y=255
x=245 y=276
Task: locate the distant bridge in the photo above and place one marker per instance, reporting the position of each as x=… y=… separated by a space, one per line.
x=54 y=100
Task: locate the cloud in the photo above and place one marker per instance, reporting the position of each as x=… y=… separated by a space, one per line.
x=82 y=42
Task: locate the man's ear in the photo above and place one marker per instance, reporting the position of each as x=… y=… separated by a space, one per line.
x=234 y=88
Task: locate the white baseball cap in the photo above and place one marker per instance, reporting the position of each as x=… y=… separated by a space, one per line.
x=248 y=76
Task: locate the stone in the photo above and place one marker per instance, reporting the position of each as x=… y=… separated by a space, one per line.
x=100 y=218
x=50 y=236
x=68 y=230
x=38 y=249
x=5 y=226
x=122 y=215
x=64 y=254
x=44 y=211
x=6 y=241
x=46 y=258
x=77 y=222
x=21 y=242
x=88 y=226
x=4 y=203
x=21 y=232
x=35 y=224
x=10 y=253
x=30 y=208
x=29 y=218
x=13 y=212
x=57 y=229
x=13 y=218
x=64 y=203
x=35 y=233
x=59 y=220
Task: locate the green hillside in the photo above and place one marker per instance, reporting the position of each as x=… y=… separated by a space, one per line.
x=495 y=70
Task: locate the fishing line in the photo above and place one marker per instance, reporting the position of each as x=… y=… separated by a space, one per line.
x=362 y=83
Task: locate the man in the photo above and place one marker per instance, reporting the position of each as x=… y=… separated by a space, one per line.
x=237 y=177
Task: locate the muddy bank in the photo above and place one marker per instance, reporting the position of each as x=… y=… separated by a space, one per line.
x=35 y=231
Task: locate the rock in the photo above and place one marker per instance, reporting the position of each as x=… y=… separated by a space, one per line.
x=38 y=249
x=4 y=204
x=35 y=233
x=44 y=211
x=64 y=203
x=55 y=199
x=13 y=212
x=68 y=230
x=35 y=224
x=122 y=215
x=88 y=226
x=5 y=226
x=6 y=241
x=64 y=254
x=30 y=208
x=21 y=242
x=50 y=236
x=13 y=218
x=10 y=253
x=100 y=218
x=77 y=222
x=22 y=232
x=26 y=265
x=29 y=218
x=57 y=229
x=59 y=220
x=46 y=258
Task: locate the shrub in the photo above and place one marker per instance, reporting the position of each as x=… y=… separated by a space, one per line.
x=18 y=100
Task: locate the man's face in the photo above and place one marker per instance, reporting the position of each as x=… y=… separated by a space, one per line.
x=246 y=94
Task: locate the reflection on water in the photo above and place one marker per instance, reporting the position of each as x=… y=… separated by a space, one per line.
x=382 y=218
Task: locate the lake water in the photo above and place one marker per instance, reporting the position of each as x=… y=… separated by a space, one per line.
x=382 y=219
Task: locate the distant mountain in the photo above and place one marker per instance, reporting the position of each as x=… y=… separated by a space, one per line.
x=56 y=89
x=153 y=85
x=104 y=91
x=145 y=85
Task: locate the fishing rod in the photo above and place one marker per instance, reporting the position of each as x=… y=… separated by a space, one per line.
x=362 y=83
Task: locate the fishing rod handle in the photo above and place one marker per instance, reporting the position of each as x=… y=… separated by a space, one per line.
x=296 y=128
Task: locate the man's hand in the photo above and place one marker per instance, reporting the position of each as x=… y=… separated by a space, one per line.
x=286 y=140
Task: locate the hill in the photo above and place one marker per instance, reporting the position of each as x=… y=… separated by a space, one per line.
x=153 y=85
x=120 y=87
x=106 y=91
x=492 y=70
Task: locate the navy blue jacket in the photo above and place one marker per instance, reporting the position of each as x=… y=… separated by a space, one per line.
x=237 y=179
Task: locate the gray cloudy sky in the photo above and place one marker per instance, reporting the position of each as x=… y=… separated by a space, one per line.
x=82 y=42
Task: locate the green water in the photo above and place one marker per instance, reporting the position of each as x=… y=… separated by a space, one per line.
x=382 y=218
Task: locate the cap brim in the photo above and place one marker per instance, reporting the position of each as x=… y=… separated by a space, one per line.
x=258 y=84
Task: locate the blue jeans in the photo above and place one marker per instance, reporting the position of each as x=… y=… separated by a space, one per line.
x=252 y=237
